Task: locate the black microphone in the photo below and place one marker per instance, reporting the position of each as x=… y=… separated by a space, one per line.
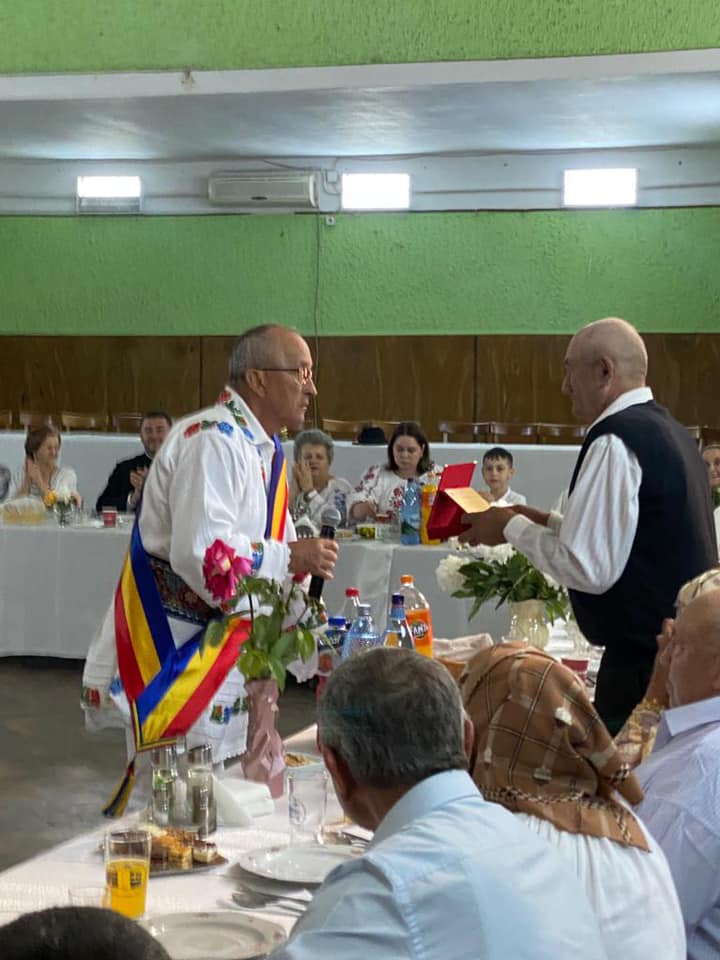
x=329 y=519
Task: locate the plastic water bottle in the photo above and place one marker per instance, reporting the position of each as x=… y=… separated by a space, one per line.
x=417 y=611
x=362 y=633
x=397 y=632
x=330 y=646
x=410 y=514
x=349 y=609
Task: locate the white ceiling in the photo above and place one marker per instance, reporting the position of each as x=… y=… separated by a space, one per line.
x=429 y=114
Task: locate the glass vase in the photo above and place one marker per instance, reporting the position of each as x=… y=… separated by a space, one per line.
x=528 y=623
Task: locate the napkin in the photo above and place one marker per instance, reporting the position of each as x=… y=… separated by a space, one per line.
x=461 y=648
x=238 y=801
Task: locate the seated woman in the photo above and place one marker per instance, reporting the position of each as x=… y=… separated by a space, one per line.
x=711 y=456
x=42 y=473
x=542 y=752
x=382 y=488
x=313 y=487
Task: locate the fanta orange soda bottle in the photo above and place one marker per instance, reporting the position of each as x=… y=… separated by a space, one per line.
x=417 y=610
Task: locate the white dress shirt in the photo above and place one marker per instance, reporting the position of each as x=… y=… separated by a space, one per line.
x=681 y=781
x=588 y=548
x=631 y=891
x=448 y=876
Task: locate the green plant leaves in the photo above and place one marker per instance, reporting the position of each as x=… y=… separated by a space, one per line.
x=511 y=580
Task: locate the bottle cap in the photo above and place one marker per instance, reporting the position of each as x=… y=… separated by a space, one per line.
x=364 y=609
x=352 y=592
x=398 y=599
x=407 y=578
x=337 y=622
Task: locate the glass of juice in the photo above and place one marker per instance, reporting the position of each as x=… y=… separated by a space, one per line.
x=127 y=865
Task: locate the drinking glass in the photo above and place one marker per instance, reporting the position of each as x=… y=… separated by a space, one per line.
x=307 y=799
x=127 y=865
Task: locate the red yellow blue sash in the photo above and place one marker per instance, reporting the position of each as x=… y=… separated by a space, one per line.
x=167 y=687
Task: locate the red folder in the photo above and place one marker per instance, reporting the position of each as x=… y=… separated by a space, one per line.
x=455 y=497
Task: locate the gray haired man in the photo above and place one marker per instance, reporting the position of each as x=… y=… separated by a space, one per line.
x=447 y=875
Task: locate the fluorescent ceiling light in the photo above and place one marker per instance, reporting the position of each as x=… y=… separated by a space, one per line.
x=111 y=187
x=375 y=191
x=600 y=188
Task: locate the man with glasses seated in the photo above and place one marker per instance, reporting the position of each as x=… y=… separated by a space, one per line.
x=219 y=475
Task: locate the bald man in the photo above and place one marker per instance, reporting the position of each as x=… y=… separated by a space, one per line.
x=638 y=522
x=681 y=777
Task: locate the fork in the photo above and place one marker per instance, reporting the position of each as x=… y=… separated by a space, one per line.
x=250 y=900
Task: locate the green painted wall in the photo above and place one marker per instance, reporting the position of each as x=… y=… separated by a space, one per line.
x=376 y=274
x=81 y=35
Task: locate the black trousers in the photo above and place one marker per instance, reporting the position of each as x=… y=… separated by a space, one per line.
x=618 y=689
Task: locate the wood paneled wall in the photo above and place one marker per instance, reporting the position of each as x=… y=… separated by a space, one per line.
x=510 y=378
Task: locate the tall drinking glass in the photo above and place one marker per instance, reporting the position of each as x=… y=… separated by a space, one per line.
x=127 y=865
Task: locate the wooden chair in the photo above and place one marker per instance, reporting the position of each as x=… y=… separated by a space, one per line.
x=512 y=433
x=345 y=429
x=475 y=432
x=127 y=422
x=709 y=435
x=6 y=419
x=83 y=421
x=31 y=419
x=561 y=433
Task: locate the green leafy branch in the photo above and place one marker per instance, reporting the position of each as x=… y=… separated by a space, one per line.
x=511 y=581
x=269 y=649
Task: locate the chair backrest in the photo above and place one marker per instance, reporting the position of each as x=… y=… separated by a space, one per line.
x=512 y=432
x=127 y=422
x=31 y=419
x=345 y=429
x=561 y=433
x=83 y=421
x=475 y=432
x=6 y=419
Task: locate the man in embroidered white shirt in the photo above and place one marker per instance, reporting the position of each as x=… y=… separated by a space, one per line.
x=681 y=777
x=210 y=481
x=638 y=522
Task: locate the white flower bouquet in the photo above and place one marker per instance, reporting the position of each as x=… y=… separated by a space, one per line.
x=484 y=573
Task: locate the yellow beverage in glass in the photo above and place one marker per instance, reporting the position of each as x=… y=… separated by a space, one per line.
x=127 y=866
x=127 y=886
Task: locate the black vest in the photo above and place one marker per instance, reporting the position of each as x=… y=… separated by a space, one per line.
x=675 y=538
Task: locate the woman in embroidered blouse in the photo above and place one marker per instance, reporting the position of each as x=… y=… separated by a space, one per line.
x=42 y=473
x=313 y=487
x=382 y=488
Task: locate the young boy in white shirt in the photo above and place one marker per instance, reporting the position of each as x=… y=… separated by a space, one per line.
x=497 y=471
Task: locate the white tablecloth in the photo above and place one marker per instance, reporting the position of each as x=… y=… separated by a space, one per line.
x=542 y=472
x=47 y=879
x=55 y=586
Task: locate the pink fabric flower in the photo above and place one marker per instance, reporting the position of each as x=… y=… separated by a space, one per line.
x=222 y=569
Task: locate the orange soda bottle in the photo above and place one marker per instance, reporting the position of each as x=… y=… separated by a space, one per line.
x=427 y=499
x=417 y=610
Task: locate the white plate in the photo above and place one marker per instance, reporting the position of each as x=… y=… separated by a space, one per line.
x=297 y=864
x=220 y=935
x=273 y=888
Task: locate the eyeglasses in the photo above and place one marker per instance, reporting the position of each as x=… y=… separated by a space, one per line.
x=304 y=374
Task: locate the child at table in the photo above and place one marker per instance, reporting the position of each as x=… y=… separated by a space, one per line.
x=497 y=470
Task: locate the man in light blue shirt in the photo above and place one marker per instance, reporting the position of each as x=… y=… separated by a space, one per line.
x=681 y=777
x=447 y=875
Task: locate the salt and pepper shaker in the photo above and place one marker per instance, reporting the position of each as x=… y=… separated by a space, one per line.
x=202 y=810
x=163 y=761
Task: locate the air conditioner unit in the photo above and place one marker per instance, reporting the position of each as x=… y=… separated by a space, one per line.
x=263 y=190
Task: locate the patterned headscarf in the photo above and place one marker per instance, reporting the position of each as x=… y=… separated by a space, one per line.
x=541 y=748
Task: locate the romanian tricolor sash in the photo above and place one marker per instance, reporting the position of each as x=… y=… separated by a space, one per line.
x=167 y=688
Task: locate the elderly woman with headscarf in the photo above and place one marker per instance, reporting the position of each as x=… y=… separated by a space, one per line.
x=313 y=487
x=542 y=752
